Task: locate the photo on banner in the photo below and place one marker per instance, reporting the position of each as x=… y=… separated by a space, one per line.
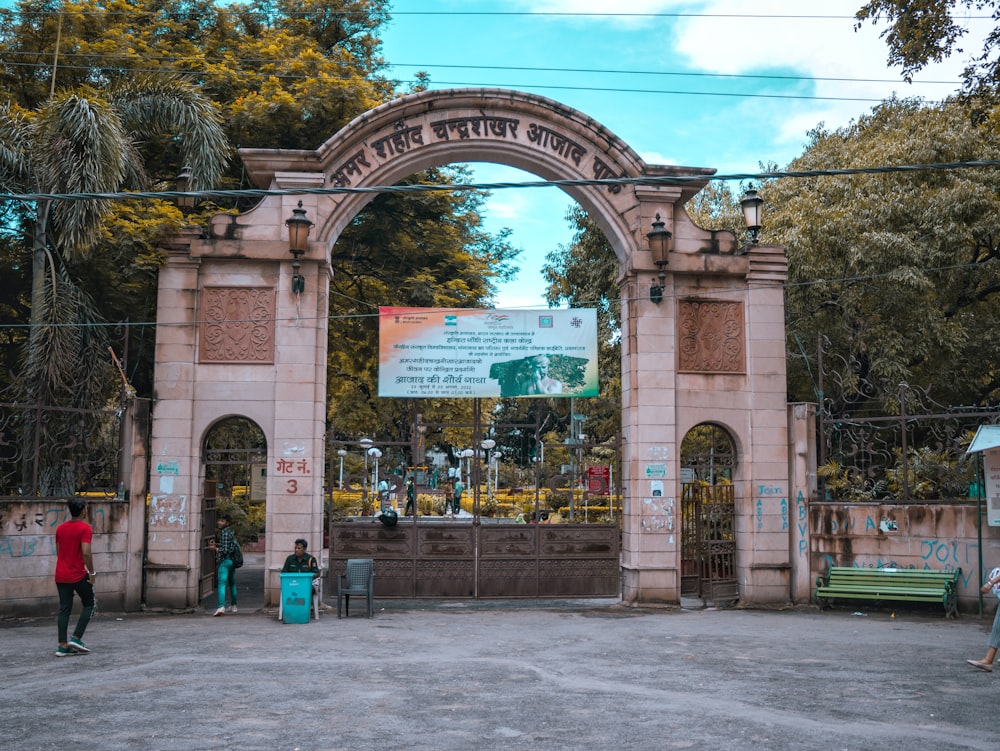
x=459 y=352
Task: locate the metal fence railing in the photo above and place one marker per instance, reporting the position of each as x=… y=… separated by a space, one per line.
x=50 y=451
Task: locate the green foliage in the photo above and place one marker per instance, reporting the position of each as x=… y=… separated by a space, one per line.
x=932 y=474
x=895 y=274
x=279 y=75
x=87 y=141
x=419 y=250
x=716 y=207
x=921 y=32
x=584 y=274
x=843 y=484
x=247 y=518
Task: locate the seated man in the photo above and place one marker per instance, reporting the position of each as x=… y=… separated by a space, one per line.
x=300 y=562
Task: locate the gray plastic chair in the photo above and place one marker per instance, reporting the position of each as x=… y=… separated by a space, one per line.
x=358 y=580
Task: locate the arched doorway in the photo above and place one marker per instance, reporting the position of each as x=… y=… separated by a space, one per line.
x=235 y=460
x=707 y=344
x=708 y=511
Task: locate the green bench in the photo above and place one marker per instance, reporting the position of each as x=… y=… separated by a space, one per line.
x=890 y=584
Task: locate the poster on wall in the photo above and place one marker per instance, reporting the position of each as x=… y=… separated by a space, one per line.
x=457 y=352
x=991 y=469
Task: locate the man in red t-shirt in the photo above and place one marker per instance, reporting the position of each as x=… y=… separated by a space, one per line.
x=74 y=574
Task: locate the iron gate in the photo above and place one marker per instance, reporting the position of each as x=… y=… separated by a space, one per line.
x=708 y=542
x=482 y=559
x=207 y=578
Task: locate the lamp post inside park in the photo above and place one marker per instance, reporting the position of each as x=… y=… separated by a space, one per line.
x=488 y=444
x=365 y=443
x=340 y=476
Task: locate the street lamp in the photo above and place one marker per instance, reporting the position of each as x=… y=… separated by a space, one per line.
x=375 y=454
x=752 y=204
x=185 y=203
x=340 y=478
x=659 y=246
x=298 y=236
x=365 y=443
x=488 y=444
x=467 y=455
x=495 y=460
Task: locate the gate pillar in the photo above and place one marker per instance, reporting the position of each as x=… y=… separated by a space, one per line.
x=711 y=350
x=234 y=339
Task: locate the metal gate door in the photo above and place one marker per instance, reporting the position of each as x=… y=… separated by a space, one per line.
x=440 y=559
x=206 y=579
x=708 y=543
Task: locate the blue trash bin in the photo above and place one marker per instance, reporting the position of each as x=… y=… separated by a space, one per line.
x=296 y=597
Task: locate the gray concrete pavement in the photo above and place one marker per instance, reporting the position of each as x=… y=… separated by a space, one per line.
x=582 y=674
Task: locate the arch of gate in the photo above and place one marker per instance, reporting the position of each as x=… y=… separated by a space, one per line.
x=230 y=328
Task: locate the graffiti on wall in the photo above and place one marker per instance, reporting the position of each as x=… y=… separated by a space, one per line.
x=658 y=515
x=801 y=525
x=768 y=494
x=25 y=533
x=168 y=511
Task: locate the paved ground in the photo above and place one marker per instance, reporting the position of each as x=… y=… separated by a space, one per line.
x=545 y=675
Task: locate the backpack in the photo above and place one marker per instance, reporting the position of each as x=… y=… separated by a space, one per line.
x=237 y=555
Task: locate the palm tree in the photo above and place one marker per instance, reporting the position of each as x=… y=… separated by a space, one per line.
x=82 y=142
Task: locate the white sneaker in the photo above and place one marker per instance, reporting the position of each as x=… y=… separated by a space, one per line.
x=233 y=609
x=220 y=611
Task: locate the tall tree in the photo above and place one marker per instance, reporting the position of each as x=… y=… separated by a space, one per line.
x=584 y=274
x=85 y=141
x=897 y=274
x=286 y=74
x=419 y=250
x=922 y=32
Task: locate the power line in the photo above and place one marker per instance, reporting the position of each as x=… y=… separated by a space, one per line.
x=21 y=13
x=667 y=92
x=103 y=61
x=445 y=187
x=722 y=293
x=480 y=13
x=399 y=83
x=680 y=74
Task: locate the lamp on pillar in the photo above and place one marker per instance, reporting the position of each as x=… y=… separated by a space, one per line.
x=184 y=203
x=659 y=246
x=298 y=235
x=752 y=204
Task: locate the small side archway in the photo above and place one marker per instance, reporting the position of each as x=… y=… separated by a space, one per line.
x=709 y=346
x=234 y=461
x=709 y=460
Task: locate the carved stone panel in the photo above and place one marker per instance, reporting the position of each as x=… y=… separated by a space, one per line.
x=710 y=337
x=237 y=325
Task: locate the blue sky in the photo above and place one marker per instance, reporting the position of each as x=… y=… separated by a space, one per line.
x=714 y=83
x=701 y=84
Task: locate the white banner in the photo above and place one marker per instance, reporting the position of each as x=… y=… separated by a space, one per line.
x=449 y=352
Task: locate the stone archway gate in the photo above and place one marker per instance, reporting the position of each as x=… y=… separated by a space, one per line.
x=233 y=339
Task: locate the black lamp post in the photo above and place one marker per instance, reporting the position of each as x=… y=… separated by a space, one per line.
x=659 y=245
x=752 y=204
x=184 y=203
x=298 y=235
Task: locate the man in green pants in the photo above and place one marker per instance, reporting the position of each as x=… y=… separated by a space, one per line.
x=224 y=544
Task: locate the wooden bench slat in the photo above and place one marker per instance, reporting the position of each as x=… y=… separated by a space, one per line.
x=903 y=585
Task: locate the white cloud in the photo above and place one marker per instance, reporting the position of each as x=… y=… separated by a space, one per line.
x=817 y=48
x=791 y=38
